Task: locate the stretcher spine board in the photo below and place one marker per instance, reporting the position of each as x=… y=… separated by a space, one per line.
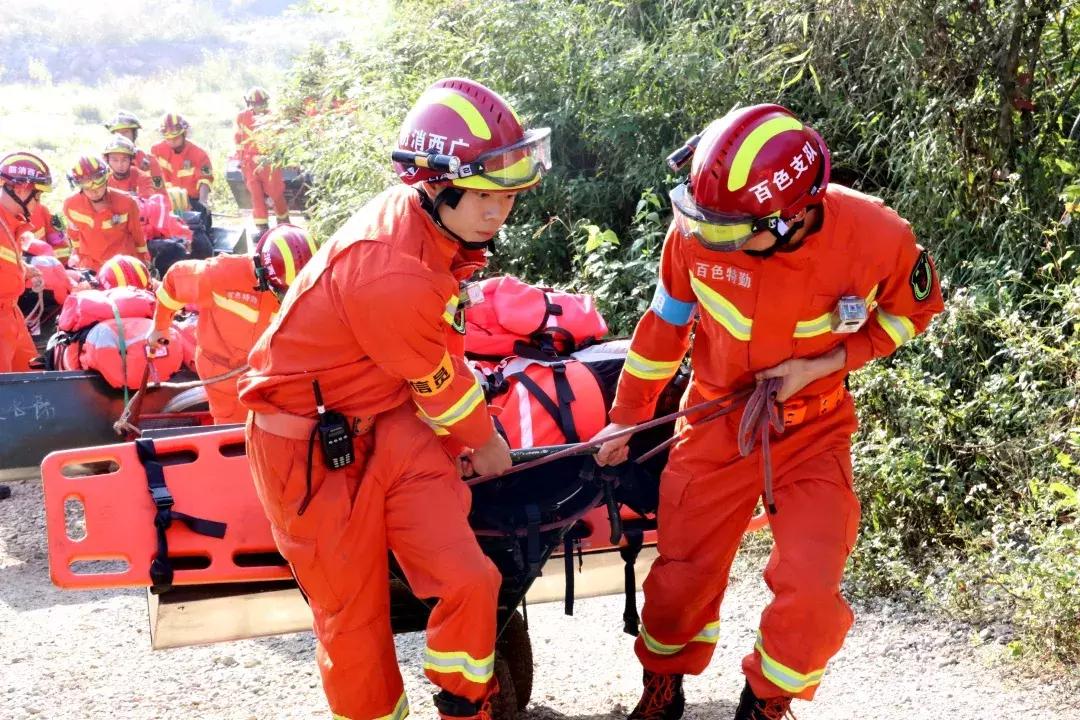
x=208 y=477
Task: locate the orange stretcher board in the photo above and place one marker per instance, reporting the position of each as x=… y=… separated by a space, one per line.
x=112 y=543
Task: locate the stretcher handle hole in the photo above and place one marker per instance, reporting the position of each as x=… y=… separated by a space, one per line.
x=89 y=469
x=178 y=457
x=75 y=519
x=259 y=559
x=235 y=449
x=189 y=562
x=99 y=567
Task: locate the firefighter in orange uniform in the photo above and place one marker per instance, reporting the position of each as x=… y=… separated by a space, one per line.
x=260 y=177
x=128 y=125
x=101 y=222
x=124 y=175
x=47 y=227
x=183 y=163
x=367 y=320
x=23 y=177
x=792 y=278
x=237 y=296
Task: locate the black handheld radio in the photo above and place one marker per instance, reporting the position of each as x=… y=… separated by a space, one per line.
x=334 y=434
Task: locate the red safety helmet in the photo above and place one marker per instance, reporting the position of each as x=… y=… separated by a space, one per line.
x=123 y=271
x=464 y=134
x=173 y=125
x=123 y=120
x=23 y=168
x=754 y=169
x=280 y=254
x=256 y=97
x=89 y=172
x=120 y=145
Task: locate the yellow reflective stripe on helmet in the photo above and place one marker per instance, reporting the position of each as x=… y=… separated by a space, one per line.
x=237 y=308
x=478 y=671
x=118 y=273
x=436 y=381
x=473 y=398
x=310 y=240
x=899 y=328
x=823 y=324
x=77 y=217
x=751 y=146
x=8 y=255
x=468 y=112
x=722 y=310
x=168 y=300
x=709 y=635
x=287 y=256
x=451 y=309
x=140 y=270
x=646 y=369
x=782 y=676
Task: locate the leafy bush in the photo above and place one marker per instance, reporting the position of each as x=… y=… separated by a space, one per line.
x=957 y=113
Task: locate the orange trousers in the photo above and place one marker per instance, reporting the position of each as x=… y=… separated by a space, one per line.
x=262 y=180
x=408 y=499
x=223 y=396
x=16 y=346
x=708 y=493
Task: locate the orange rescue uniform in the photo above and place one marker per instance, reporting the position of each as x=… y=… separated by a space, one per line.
x=137 y=183
x=261 y=179
x=232 y=316
x=190 y=168
x=41 y=224
x=755 y=313
x=112 y=227
x=16 y=346
x=368 y=319
x=148 y=164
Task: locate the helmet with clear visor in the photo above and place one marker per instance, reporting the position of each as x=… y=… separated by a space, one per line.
x=755 y=169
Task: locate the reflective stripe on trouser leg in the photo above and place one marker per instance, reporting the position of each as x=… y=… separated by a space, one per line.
x=428 y=531
x=705 y=506
x=808 y=619
x=337 y=550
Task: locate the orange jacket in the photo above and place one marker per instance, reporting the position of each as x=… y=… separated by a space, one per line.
x=149 y=165
x=758 y=312
x=189 y=169
x=41 y=224
x=368 y=318
x=97 y=235
x=247 y=124
x=232 y=314
x=12 y=278
x=137 y=183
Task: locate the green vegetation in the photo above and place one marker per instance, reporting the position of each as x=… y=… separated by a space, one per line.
x=957 y=113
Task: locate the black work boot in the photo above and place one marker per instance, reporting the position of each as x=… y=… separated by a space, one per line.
x=5 y=492
x=455 y=707
x=751 y=707
x=261 y=230
x=661 y=699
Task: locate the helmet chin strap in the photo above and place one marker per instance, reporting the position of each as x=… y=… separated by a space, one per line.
x=449 y=196
x=24 y=205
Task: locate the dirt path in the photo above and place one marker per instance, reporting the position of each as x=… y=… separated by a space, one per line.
x=68 y=655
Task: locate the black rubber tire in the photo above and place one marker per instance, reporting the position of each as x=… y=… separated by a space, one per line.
x=515 y=648
x=504 y=706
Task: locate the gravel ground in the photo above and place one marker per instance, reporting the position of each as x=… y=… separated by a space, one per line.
x=68 y=655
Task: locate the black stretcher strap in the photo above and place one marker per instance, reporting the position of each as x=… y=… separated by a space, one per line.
x=161 y=570
x=629 y=554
